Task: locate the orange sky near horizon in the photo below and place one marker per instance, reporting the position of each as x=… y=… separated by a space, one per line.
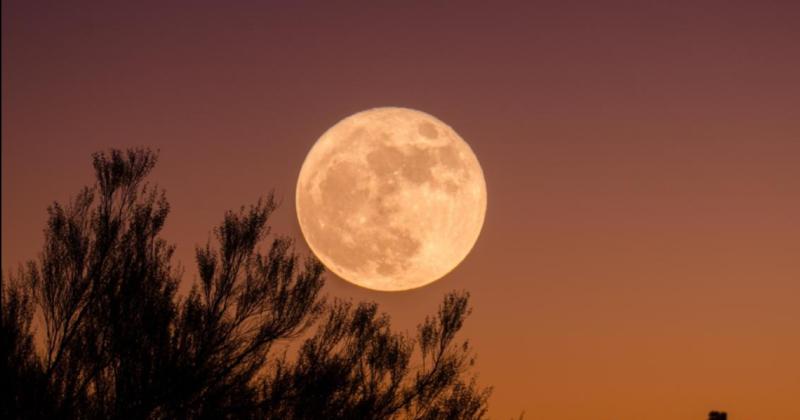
x=640 y=257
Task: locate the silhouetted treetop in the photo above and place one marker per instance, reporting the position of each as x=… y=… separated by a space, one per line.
x=119 y=342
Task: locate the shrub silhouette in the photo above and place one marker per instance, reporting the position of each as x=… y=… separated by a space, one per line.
x=119 y=342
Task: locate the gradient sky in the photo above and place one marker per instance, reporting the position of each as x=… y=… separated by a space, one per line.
x=640 y=257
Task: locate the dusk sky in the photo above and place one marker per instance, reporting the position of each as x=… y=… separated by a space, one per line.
x=640 y=256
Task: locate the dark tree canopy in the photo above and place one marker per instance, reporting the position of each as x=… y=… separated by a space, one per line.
x=118 y=341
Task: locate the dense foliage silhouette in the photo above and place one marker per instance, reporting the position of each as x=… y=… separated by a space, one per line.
x=115 y=340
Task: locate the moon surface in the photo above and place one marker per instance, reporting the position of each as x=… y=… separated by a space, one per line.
x=391 y=199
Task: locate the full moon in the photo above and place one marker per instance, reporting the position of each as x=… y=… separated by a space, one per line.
x=391 y=199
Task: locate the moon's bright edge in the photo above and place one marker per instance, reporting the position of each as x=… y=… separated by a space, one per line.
x=391 y=199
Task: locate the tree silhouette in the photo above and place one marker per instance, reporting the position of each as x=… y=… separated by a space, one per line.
x=119 y=342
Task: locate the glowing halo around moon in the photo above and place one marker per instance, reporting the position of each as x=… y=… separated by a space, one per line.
x=391 y=199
